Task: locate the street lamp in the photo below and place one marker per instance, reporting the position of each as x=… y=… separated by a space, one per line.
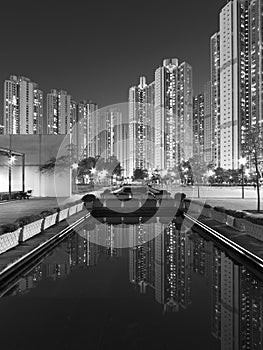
x=11 y=161
x=93 y=171
x=75 y=176
x=242 y=162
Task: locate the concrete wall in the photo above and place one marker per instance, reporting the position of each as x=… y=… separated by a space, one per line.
x=38 y=150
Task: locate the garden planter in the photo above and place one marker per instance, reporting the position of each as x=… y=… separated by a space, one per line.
x=31 y=230
x=256 y=231
x=63 y=214
x=50 y=220
x=79 y=207
x=207 y=212
x=72 y=210
x=195 y=208
x=220 y=217
x=240 y=224
x=230 y=220
x=9 y=240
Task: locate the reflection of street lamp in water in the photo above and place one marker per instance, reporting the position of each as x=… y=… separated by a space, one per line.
x=242 y=162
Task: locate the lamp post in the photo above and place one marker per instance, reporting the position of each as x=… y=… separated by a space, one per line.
x=75 y=167
x=242 y=161
x=11 y=160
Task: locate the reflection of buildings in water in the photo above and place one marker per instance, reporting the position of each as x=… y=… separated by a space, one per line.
x=163 y=264
x=241 y=307
x=173 y=255
x=56 y=266
x=236 y=295
x=141 y=255
x=215 y=284
x=83 y=250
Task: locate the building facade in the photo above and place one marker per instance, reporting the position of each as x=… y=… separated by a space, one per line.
x=173 y=114
x=236 y=81
x=198 y=127
x=86 y=128
x=215 y=97
x=23 y=106
x=59 y=112
x=141 y=126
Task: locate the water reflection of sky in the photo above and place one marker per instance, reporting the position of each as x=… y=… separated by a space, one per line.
x=175 y=290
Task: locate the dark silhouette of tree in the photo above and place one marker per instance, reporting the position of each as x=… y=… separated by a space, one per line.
x=139 y=174
x=254 y=149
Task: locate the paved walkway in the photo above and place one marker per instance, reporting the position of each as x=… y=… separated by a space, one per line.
x=227 y=197
x=10 y=211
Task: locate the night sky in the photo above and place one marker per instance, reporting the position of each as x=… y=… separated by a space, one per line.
x=97 y=50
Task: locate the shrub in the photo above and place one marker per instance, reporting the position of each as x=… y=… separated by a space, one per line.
x=88 y=198
x=45 y=213
x=220 y=209
x=27 y=220
x=207 y=206
x=254 y=220
x=8 y=228
x=236 y=213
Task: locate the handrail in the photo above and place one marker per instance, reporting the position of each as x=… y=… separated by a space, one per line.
x=256 y=259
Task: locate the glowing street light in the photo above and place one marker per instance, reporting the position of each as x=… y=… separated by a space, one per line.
x=242 y=161
x=75 y=166
x=247 y=172
x=210 y=173
x=12 y=160
x=93 y=171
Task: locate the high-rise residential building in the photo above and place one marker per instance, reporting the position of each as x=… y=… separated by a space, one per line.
x=110 y=135
x=86 y=129
x=215 y=97
x=236 y=68
x=208 y=125
x=256 y=62
x=73 y=128
x=58 y=112
x=173 y=114
x=184 y=123
x=23 y=106
x=141 y=126
x=198 y=127
x=121 y=142
x=232 y=111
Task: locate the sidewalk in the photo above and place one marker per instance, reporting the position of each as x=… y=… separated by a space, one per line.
x=236 y=204
x=227 y=197
x=10 y=211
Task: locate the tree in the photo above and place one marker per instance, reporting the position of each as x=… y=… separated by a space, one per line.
x=253 y=148
x=84 y=167
x=139 y=174
x=198 y=169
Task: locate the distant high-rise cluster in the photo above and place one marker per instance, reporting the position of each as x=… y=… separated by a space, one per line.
x=161 y=118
